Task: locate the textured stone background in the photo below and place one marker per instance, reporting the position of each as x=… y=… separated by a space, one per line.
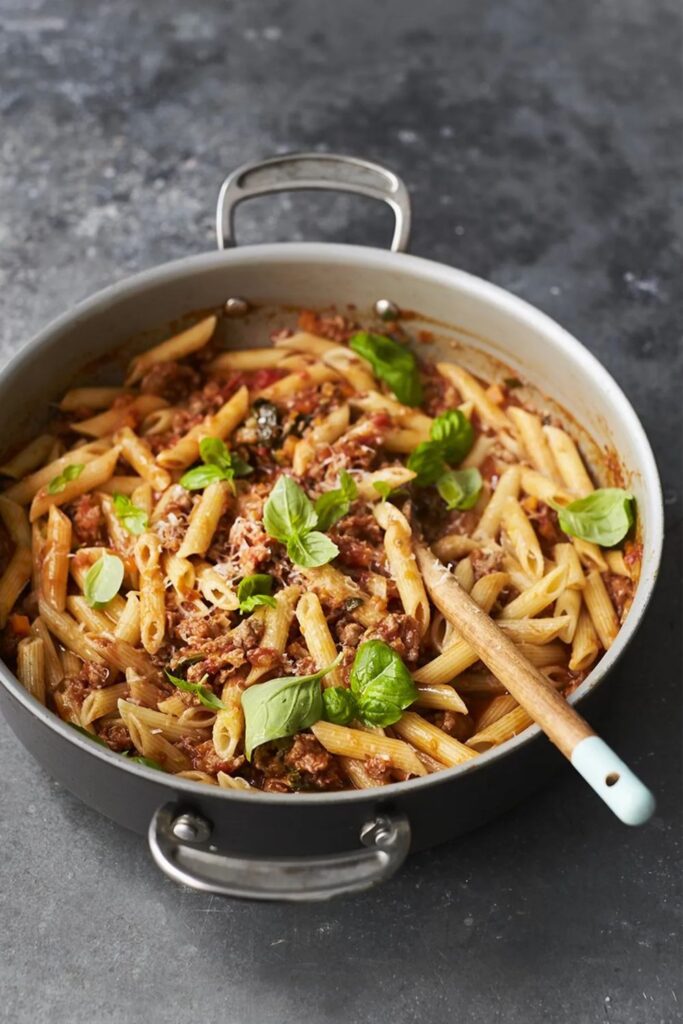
x=542 y=146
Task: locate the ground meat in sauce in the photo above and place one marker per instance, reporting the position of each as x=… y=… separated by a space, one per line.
x=360 y=540
x=547 y=526
x=402 y=633
x=486 y=560
x=115 y=735
x=89 y=528
x=317 y=767
x=205 y=759
x=378 y=768
x=171 y=381
x=332 y=326
x=620 y=590
x=460 y=727
x=74 y=689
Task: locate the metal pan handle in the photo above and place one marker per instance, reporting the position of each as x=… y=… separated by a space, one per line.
x=179 y=842
x=299 y=171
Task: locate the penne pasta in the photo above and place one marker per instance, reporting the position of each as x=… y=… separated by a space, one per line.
x=355 y=743
x=402 y=564
x=601 y=609
x=529 y=429
x=93 y=475
x=431 y=740
x=31 y=666
x=177 y=347
x=508 y=487
x=152 y=595
x=317 y=636
x=139 y=456
x=204 y=519
x=568 y=461
x=220 y=424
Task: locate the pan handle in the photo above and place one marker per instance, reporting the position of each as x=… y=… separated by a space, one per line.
x=327 y=171
x=178 y=840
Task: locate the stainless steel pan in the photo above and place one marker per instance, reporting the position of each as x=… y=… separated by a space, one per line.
x=312 y=846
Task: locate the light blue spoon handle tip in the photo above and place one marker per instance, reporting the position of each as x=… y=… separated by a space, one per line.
x=606 y=773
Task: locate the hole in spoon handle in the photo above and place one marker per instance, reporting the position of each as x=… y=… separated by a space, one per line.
x=606 y=773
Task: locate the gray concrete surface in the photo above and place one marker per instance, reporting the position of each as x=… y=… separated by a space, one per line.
x=541 y=142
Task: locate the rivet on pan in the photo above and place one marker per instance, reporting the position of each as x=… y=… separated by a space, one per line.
x=387 y=310
x=236 y=306
x=191 y=828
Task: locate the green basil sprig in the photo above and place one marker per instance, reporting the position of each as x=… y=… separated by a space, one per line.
x=282 y=707
x=290 y=517
x=132 y=517
x=381 y=688
x=451 y=438
x=331 y=506
x=383 y=488
x=460 y=488
x=138 y=758
x=206 y=696
x=218 y=464
x=148 y=762
x=393 y=363
x=102 y=580
x=255 y=590
x=603 y=517
x=58 y=483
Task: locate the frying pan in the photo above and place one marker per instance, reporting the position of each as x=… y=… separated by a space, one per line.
x=316 y=845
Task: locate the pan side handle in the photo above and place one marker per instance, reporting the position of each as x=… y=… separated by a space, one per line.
x=179 y=843
x=313 y=171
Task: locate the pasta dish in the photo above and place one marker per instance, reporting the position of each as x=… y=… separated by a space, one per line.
x=211 y=570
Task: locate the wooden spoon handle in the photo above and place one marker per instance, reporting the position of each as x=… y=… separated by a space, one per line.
x=606 y=773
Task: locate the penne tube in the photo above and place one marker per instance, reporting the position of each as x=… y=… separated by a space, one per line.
x=493 y=712
x=402 y=564
x=180 y=573
x=214 y=587
x=306 y=341
x=440 y=696
x=616 y=564
x=177 y=347
x=29 y=458
x=511 y=724
x=543 y=593
x=120 y=485
x=160 y=421
x=531 y=631
x=464 y=574
x=277 y=622
x=336 y=587
x=196 y=776
x=16 y=522
x=152 y=592
x=349 y=366
x=601 y=609
x=404 y=415
x=585 y=644
x=480 y=450
x=173 y=705
x=356 y=773
x=299 y=380
x=13 y=580
x=566 y=554
x=317 y=636
x=83 y=559
x=220 y=424
x=153 y=745
x=455 y=546
x=119 y=538
x=138 y=454
x=90 y=398
x=472 y=391
x=590 y=555
x=120 y=655
x=395 y=476
x=522 y=539
x=569 y=463
x=402 y=441
x=106 y=423
x=326 y=432
x=24 y=490
x=31 y=666
x=339 y=739
x=128 y=626
x=204 y=519
x=55 y=558
x=93 y=475
x=568 y=608
x=68 y=632
x=539 y=486
x=431 y=740
x=530 y=430
x=146 y=692
x=228 y=728
x=54 y=673
x=508 y=487
x=142 y=497
x=92 y=619
x=234 y=782
x=169 y=726
x=245 y=359
x=102 y=702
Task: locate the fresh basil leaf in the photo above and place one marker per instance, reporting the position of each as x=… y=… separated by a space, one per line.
x=199 y=477
x=427 y=463
x=288 y=512
x=219 y=464
x=331 y=506
x=454 y=434
x=460 y=488
x=339 y=705
x=603 y=517
x=206 y=696
x=392 y=363
x=58 y=483
x=255 y=590
x=312 y=549
x=383 y=488
x=282 y=707
x=148 y=762
x=102 y=580
x=88 y=735
x=132 y=517
x=381 y=683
